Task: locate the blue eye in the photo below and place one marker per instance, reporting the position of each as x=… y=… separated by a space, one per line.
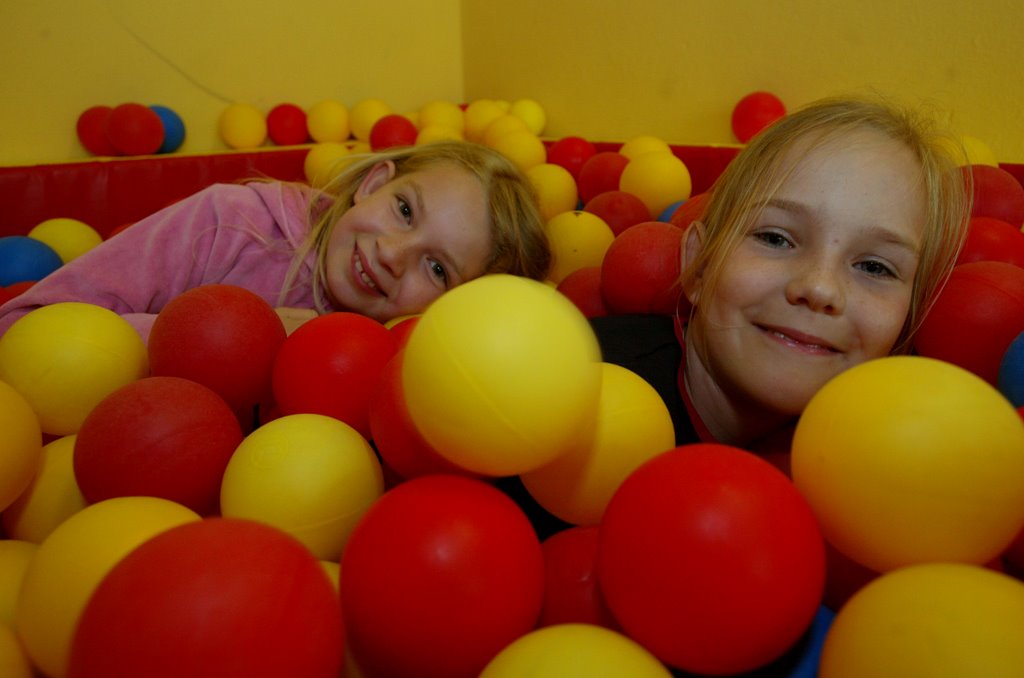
x=438 y=271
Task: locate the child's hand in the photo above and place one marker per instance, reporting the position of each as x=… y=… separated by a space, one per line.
x=294 y=317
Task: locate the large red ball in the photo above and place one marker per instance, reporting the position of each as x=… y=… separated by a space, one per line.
x=991 y=239
x=222 y=336
x=975 y=317
x=392 y=130
x=570 y=153
x=618 y=209
x=330 y=365
x=710 y=558
x=754 y=112
x=134 y=129
x=571 y=591
x=91 y=129
x=583 y=287
x=997 y=194
x=158 y=437
x=216 y=597
x=440 y=574
x=600 y=173
x=640 y=271
x=286 y=125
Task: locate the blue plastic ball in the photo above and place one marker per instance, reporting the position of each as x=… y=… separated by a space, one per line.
x=174 y=129
x=26 y=259
x=666 y=215
x=1010 y=380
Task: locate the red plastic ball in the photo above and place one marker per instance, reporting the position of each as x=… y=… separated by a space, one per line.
x=440 y=574
x=975 y=317
x=570 y=153
x=134 y=129
x=222 y=336
x=286 y=125
x=618 y=209
x=710 y=558
x=690 y=211
x=392 y=130
x=330 y=365
x=600 y=173
x=216 y=597
x=571 y=591
x=754 y=112
x=583 y=287
x=403 y=328
x=161 y=437
x=997 y=194
x=640 y=271
x=991 y=239
x=91 y=129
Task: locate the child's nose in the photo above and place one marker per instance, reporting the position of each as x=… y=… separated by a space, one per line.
x=393 y=252
x=817 y=286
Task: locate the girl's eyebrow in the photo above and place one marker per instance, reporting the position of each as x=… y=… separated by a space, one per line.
x=882 y=233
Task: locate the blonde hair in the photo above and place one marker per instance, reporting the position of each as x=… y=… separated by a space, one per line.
x=758 y=172
x=519 y=244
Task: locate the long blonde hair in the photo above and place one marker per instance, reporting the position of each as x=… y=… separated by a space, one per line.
x=757 y=173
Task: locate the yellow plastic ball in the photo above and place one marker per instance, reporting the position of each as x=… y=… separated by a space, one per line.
x=328 y=121
x=71 y=562
x=506 y=123
x=51 y=498
x=478 y=115
x=69 y=238
x=978 y=152
x=530 y=112
x=523 y=148
x=910 y=460
x=578 y=240
x=633 y=425
x=242 y=126
x=502 y=375
x=574 y=650
x=642 y=144
x=15 y=557
x=21 y=445
x=941 y=620
x=309 y=475
x=333 y=571
x=66 y=357
x=658 y=179
x=324 y=162
x=365 y=114
x=432 y=133
x=14 y=662
x=556 y=189
x=442 y=114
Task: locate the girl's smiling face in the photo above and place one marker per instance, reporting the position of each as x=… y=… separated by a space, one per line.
x=406 y=240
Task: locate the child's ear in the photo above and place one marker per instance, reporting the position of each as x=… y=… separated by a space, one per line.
x=375 y=177
x=692 y=246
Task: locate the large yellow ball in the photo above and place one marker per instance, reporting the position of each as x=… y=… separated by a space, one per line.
x=556 y=189
x=941 y=620
x=574 y=650
x=432 y=133
x=21 y=444
x=242 y=126
x=502 y=375
x=66 y=357
x=522 y=147
x=51 y=498
x=658 y=179
x=633 y=425
x=530 y=112
x=325 y=161
x=14 y=662
x=15 y=557
x=71 y=562
x=478 y=115
x=645 y=143
x=910 y=460
x=309 y=475
x=578 y=240
x=328 y=121
x=442 y=114
x=69 y=238
x=365 y=114
x=506 y=123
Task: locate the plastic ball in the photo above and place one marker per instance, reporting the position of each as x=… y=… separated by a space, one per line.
x=439 y=558
x=991 y=239
x=618 y=209
x=71 y=563
x=1010 y=379
x=223 y=337
x=978 y=152
x=571 y=153
x=21 y=446
x=578 y=240
x=556 y=189
x=14 y=662
x=364 y=115
x=327 y=121
x=276 y=613
x=306 y=474
x=502 y=388
x=134 y=129
x=574 y=650
x=66 y=357
x=530 y=112
x=324 y=162
x=975 y=317
x=668 y=212
x=571 y=591
x=174 y=129
x=329 y=365
x=478 y=115
x=15 y=557
x=91 y=128
x=523 y=148
x=642 y=144
x=432 y=133
x=26 y=259
x=583 y=288
x=392 y=130
x=691 y=210
x=159 y=436
x=997 y=194
x=640 y=271
x=711 y=559
x=505 y=123
x=50 y=498
x=444 y=114
x=754 y=112
x=242 y=126
x=887 y=455
x=633 y=425
x=69 y=238
x=658 y=179
x=601 y=173
x=11 y=291
x=287 y=125
x=942 y=620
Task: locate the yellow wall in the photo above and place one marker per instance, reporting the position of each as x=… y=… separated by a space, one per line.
x=603 y=69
